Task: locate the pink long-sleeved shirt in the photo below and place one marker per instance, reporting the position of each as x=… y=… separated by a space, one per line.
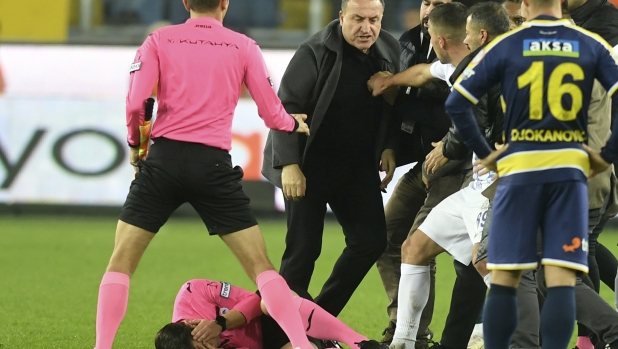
x=200 y=66
x=206 y=299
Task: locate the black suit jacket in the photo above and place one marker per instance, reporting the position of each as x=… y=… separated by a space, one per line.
x=308 y=86
x=421 y=109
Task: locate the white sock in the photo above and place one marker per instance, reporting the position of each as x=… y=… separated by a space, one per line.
x=478 y=330
x=412 y=298
x=487 y=279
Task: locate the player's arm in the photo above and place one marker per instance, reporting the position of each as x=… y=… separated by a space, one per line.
x=246 y=308
x=144 y=74
x=269 y=105
x=415 y=76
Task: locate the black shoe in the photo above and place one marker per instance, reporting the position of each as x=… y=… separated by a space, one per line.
x=437 y=345
x=331 y=344
x=371 y=344
x=425 y=341
x=317 y=342
x=388 y=333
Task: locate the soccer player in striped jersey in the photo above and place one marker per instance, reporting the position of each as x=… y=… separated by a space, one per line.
x=547 y=69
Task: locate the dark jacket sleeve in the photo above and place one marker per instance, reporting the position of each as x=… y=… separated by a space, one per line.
x=395 y=119
x=454 y=147
x=297 y=86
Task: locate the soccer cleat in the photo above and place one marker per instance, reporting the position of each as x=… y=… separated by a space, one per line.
x=476 y=342
x=423 y=342
x=371 y=344
x=388 y=333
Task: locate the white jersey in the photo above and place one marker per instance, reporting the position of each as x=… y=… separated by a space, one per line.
x=481 y=182
x=442 y=71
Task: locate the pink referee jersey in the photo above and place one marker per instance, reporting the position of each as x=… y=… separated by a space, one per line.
x=205 y=299
x=200 y=66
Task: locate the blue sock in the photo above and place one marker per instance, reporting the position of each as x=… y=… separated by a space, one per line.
x=500 y=317
x=558 y=317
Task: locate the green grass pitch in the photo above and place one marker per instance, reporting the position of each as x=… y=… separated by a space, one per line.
x=51 y=267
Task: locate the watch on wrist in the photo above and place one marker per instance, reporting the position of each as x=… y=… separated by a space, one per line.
x=221 y=321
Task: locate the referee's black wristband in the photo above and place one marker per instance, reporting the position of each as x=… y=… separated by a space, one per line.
x=221 y=321
x=133 y=146
x=296 y=125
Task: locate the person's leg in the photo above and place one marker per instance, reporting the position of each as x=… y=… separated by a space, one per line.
x=407 y=199
x=594 y=218
x=511 y=249
x=558 y=314
x=321 y=324
x=440 y=189
x=467 y=302
x=417 y=251
x=591 y=310
x=469 y=290
x=153 y=196
x=131 y=242
x=249 y=248
x=526 y=334
x=594 y=312
x=607 y=264
x=565 y=229
x=500 y=312
x=303 y=241
x=357 y=204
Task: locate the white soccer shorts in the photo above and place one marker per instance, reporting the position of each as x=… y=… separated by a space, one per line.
x=456 y=223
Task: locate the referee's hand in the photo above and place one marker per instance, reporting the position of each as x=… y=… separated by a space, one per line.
x=134 y=157
x=302 y=126
x=293 y=182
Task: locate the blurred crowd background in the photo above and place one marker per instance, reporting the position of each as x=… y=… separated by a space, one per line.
x=272 y=23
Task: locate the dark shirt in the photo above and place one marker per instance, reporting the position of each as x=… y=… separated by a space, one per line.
x=348 y=132
x=422 y=109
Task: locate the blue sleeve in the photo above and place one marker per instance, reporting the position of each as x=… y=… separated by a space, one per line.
x=459 y=108
x=482 y=73
x=607 y=74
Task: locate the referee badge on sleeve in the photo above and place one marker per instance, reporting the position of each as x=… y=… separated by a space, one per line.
x=135 y=67
x=225 y=290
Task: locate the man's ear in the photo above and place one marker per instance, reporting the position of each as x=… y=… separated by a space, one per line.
x=442 y=41
x=484 y=36
x=340 y=17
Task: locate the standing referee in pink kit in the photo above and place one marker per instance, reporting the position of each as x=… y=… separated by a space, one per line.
x=200 y=66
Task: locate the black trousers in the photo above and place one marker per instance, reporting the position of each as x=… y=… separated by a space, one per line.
x=354 y=196
x=466 y=304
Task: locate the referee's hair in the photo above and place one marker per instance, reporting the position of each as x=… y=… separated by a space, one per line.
x=202 y=6
x=490 y=16
x=344 y=4
x=449 y=20
x=513 y=1
x=174 y=336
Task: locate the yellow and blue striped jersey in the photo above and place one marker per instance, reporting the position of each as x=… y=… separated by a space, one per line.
x=547 y=69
